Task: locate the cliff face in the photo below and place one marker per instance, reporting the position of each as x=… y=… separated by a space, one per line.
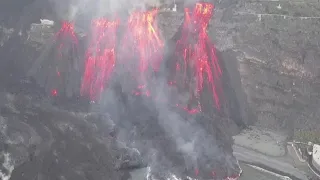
x=57 y=141
x=269 y=52
x=277 y=48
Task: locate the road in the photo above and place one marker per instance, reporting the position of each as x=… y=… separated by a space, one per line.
x=246 y=155
x=249 y=173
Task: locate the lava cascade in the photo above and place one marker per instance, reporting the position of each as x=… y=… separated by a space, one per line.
x=66 y=42
x=100 y=58
x=142 y=40
x=198 y=65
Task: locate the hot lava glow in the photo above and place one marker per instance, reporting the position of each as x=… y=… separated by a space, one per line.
x=67 y=43
x=100 y=58
x=142 y=41
x=198 y=66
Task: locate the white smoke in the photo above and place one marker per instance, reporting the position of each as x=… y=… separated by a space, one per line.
x=192 y=140
x=7 y=166
x=68 y=10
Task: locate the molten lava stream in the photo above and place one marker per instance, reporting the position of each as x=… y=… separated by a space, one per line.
x=198 y=61
x=142 y=41
x=100 y=58
x=67 y=43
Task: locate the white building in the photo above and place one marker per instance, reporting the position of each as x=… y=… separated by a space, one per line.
x=316 y=156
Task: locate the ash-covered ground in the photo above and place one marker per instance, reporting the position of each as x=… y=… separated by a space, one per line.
x=45 y=137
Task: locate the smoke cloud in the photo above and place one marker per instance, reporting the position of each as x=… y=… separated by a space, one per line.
x=97 y=8
x=69 y=9
x=166 y=136
x=168 y=139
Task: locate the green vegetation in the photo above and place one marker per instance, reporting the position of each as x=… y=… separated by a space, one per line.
x=306 y=136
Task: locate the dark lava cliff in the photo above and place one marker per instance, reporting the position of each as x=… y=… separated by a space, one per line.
x=69 y=138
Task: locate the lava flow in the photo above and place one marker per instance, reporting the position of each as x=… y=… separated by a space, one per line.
x=100 y=58
x=142 y=41
x=198 y=66
x=67 y=43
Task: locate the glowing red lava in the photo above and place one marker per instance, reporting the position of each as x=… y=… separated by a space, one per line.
x=67 y=43
x=100 y=58
x=66 y=32
x=54 y=92
x=142 y=40
x=199 y=67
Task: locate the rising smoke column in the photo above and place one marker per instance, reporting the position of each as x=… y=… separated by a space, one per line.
x=197 y=65
x=100 y=58
x=57 y=68
x=142 y=41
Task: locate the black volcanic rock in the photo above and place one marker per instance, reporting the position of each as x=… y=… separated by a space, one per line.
x=57 y=138
x=270 y=56
x=43 y=141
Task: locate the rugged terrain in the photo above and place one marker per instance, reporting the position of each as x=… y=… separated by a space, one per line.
x=70 y=139
x=277 y=47
x=269 y=51
x=276 y=44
